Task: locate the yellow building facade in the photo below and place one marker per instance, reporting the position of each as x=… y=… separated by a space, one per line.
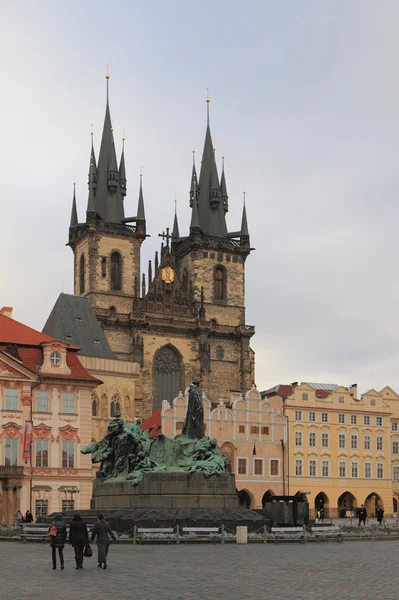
x=339 y=447
x=250 y=433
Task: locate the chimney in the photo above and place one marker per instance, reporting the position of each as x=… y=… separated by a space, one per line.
x=353 y=391
x=6 y=311
x=294 y=384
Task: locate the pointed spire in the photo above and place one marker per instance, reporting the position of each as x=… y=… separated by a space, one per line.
x=122 y=170
x=244 y=222
x=74 y=212
x=156 y=261
x=223 y=189
x=195 y=224
x=210 y=210
x=175 y=232
x=149 y=273
x=109 y=199
x=140 y=206
x=194 y=178
x=143 y=286
x=92 y=183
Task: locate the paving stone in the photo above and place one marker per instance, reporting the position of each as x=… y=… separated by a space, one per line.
x=326 y=571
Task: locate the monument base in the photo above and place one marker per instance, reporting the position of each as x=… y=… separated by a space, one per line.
x=167 y=490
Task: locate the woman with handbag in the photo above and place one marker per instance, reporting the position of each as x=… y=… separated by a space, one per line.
x=78 y=538
x=58 y=535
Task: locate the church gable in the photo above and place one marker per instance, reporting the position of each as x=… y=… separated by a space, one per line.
x=166 y=294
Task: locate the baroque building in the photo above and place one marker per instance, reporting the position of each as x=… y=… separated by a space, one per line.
x=341 y=449
x=185 y=316
x=45 y=419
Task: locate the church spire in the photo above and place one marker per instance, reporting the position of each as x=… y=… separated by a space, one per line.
x=244 y=222
x=92 y=183
x=140 y=206
x=108 y=197
x=175 y=232
x=210 y=210
x=223 y=189
x=122 y=170
x=194 y=178
x=74 y=212
x=195 y=224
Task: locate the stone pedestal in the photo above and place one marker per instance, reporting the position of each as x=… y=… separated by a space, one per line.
x=242 y=535
x=167 y=490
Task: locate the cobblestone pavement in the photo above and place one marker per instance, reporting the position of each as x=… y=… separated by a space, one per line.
x=339 y=571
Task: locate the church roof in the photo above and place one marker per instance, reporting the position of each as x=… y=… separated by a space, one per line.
x=73 y=320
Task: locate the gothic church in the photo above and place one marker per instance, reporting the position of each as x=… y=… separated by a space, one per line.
x=183 y=317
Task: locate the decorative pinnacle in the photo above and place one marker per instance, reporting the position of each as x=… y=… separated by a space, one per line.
x=207 y=105
x=107 y=78
x=91 y=132
x=244 y=194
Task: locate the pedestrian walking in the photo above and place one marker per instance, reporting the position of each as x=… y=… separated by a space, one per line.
x=58 y=535
x=78 y=538
x=101 y=530
x=380 y=515
x=321 y=517
x=362 y=514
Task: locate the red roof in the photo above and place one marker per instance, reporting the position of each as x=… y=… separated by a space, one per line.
x=153 y=424
x=29 y=343
x=16 y=333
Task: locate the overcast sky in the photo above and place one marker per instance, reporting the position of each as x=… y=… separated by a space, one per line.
x=304 y=105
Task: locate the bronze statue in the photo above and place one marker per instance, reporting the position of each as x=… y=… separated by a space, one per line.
x=126 y=451
x=194 y=423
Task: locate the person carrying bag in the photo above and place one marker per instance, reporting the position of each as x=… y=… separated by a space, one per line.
x=79 y=539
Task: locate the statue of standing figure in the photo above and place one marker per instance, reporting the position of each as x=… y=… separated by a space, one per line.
x=194 y=423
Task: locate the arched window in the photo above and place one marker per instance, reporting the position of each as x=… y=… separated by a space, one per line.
x=185 y=280
x=167 y=375
x=115 y=406
x=116 y=272
x=220 y=283
x=82 y=275
x=94 y=404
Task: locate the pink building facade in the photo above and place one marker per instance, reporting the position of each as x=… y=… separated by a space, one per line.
x=251 y=432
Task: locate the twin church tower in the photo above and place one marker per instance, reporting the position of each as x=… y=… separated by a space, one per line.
x=185 y=316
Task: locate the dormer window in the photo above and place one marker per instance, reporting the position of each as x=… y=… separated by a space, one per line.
x=55 y=358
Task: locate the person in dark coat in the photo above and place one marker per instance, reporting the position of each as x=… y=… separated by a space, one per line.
x=321 y=515
x=362 y=514
x=380 y=515
x=58 y=540
x=102 y=530
x=28 y=517
x=78 y=538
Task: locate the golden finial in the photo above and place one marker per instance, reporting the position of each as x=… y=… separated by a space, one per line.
x=91 y=132
x=207 y=95
x=107 y=75
x=141 y=171
x=124 y=137
x=74 y=180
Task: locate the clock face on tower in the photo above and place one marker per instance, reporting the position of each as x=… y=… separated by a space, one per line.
x=168 y=274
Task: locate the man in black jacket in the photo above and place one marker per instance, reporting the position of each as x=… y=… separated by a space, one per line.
x=58 y=540
x=362 y=514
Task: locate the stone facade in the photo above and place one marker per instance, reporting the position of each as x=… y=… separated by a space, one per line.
x=340 y=448
x=250 y=432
